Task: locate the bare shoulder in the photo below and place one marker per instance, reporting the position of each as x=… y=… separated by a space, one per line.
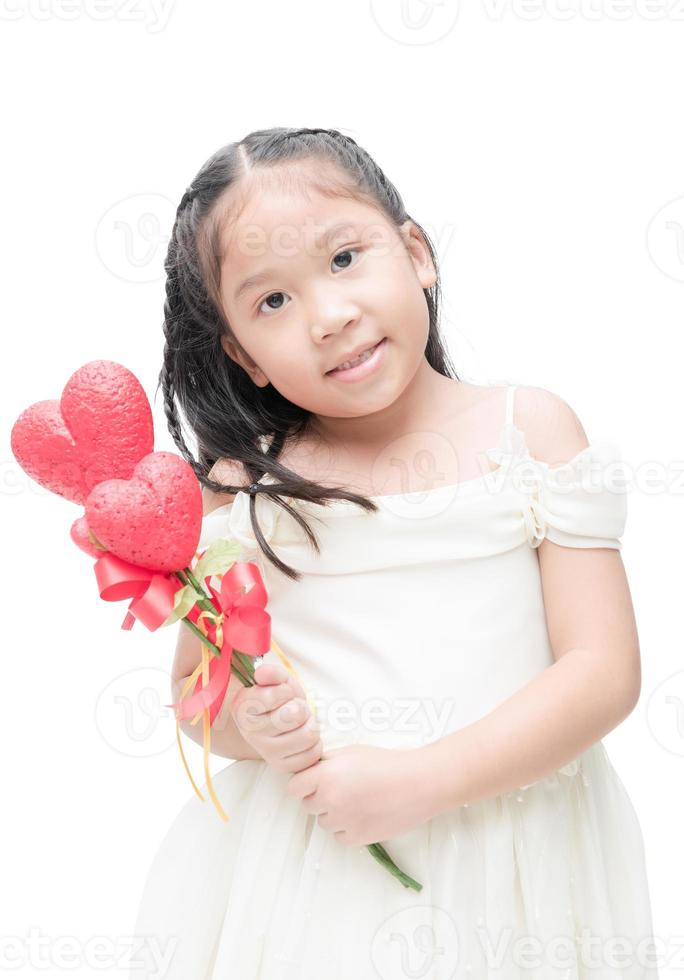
x=552 y=429
x=462 y=396
x=226 y=471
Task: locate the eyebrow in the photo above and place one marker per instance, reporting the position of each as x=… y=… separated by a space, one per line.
x=265 y=274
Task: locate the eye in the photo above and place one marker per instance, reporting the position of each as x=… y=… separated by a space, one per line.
x=346 y=251
x=270 y=296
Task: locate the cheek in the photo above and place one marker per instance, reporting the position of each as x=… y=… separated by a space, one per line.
x=286 y=363
x=398 y=297
x=295 y=374
x=406 y=320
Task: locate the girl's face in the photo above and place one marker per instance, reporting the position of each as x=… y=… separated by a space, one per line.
x=329 y=276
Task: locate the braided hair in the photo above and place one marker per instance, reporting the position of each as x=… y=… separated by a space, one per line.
x=225 y=411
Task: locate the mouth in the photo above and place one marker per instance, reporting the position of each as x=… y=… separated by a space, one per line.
x=367 y=363
x=355 y=361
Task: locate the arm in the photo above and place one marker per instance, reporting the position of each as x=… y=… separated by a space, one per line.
x=593 y=684
x=549 y=722
x=226 y=739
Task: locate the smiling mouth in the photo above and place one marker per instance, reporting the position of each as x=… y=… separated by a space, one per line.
x=359 y=359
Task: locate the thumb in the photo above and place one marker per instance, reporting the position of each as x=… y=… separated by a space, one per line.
x=270 y=674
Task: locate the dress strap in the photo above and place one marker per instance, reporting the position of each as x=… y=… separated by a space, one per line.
x=512 y=442
x=510 y=395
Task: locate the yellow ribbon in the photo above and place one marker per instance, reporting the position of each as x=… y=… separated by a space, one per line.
x=203 y=669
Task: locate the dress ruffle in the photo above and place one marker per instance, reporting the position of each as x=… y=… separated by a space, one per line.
x=273 y=896
x=581 y=503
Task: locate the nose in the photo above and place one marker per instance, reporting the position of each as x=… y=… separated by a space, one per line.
x=330 y=310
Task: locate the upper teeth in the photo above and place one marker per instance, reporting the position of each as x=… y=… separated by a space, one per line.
x=357 y=360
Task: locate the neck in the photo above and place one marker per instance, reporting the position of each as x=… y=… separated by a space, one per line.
x=410 y=411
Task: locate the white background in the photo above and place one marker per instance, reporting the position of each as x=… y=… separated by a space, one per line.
x=539 y=144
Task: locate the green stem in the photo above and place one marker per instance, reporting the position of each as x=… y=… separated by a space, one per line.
x=198 y=587
x=198 y=632
x=245 y=673
x=381 y=855
x=206 y=603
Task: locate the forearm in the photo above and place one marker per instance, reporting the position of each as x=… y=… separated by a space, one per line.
x=226 y=739
x=558 y=715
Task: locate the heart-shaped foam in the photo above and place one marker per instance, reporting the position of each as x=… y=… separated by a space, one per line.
x=98 y=430
x=80 y=536
x=155 y=518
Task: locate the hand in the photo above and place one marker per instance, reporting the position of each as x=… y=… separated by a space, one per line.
x=362 y=793
x=274 y=717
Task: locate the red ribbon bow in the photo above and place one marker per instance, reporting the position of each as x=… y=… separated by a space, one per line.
x=242 y=623
x=153 y=592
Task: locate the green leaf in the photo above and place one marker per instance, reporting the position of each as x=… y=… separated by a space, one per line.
x=217 y=559
x=183 y=602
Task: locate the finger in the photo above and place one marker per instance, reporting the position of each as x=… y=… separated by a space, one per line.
x=270 y=712
x=270 y=674
x=290 y=719
x=300 y=761
x=303 y=783
x=264 y=697
x=289 y=716
x=299 y=739
x=266 y=674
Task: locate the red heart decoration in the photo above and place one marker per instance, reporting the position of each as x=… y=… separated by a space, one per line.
x=98 y=430
x=80 y=537
x=155 y=518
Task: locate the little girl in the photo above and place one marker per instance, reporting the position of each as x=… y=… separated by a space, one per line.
x=443 y=567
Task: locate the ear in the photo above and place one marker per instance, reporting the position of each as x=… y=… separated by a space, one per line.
x=235 y=353
x=418 y=253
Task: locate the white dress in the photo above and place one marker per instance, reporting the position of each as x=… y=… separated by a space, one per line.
x=434 y=600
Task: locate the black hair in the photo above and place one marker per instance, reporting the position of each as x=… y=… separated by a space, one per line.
x=227 y=413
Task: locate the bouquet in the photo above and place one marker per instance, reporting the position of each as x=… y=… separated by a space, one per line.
x=142 y=522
